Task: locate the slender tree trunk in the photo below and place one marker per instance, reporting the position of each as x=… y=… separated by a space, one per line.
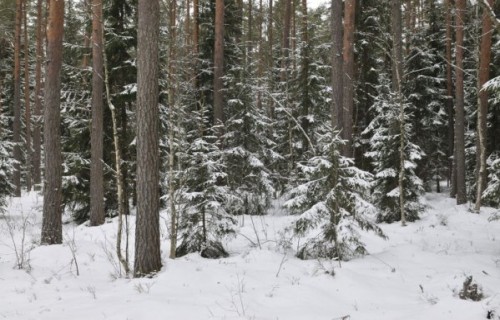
x=260 y=69
x=348 y=82
x=397 y=79
x=27 y=104
x=304 y=73
x=249 y=46
x=37 y=140
x=147 y=232
x=270 y=35
x=171 y=103
x=285 y=48
x=459 y=103
x=484 y=75
x=449 y=103
x=17 y=100
x=97 y=133
x=337 y=66
x=52 y=206
x=120 y=190
x=219 y=64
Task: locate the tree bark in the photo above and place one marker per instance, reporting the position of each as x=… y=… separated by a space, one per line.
x=27 y=104
x=52 y=207
x=171 y=103
x=97 y=133
x=219 y=64
x=397 y=79
x=37 y=141
x=449 y=102
x=147 y=234
x=459 y=103
x=483 y=77
x=17 y=100
x=348 y=82
x=337 y=65
x=285 y=48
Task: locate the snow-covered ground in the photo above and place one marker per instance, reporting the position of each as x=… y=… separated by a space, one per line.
x=416 y=274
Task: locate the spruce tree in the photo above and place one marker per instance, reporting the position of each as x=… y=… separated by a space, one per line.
x=332 y=202
x=383 y=133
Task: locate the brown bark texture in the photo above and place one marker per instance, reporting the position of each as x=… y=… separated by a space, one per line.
x=484 y=76
x=459 y=102
x=449 y=101
x=337 y=65
x=17 y=100
x=147 y=232
x=52 y=206
x=219 y=63
x=96 y=134
x=27 y=104
x=348 y=70
x=37 y=124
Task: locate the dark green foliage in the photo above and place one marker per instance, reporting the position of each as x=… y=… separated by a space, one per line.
x=384 y=139
x=331 y=200
x=205 y=199
x=491 y=195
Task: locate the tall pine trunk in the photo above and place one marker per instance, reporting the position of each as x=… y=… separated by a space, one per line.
x=97 y=133
x=147 y=232
x=449 y=102
x=27 y=104
x=219 y=64
x=397 y=81
x=37 y=131
x=348 y=82
x=17 y=100
x=484 y=75
x=337 y=65
x=459 y=103
x=52 y=192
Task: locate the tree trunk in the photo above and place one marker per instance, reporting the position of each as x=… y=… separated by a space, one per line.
x=459 y=103
x=304 y=73
x=52 y=206
x=96 y=134
x=348 y=70
x=219 y=64
x=337 y=65
x=37 y=141
x=27 y=105
x=17 y=100
x=171 y=124
x=270 y=35
x=484 y=75
x=285 y=48
x=449 y=103
x=397 y=79
x=147 y=233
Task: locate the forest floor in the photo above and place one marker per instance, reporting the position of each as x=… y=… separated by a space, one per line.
x=417 y=273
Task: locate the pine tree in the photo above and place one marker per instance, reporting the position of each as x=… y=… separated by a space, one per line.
x=331 y=200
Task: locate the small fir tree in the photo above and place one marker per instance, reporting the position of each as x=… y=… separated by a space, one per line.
x=205 y=198
x=331 y=200
x=491 y=195
x=384 y=139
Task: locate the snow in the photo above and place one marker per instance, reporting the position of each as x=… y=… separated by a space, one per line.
x=416 y=274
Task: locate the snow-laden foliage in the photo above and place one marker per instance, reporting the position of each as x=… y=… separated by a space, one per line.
x=246 y=157
x=205 y=199
x=332 y=202
x=384 y=139
x=75 y=141
x=6 y=170
x=491 y=195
